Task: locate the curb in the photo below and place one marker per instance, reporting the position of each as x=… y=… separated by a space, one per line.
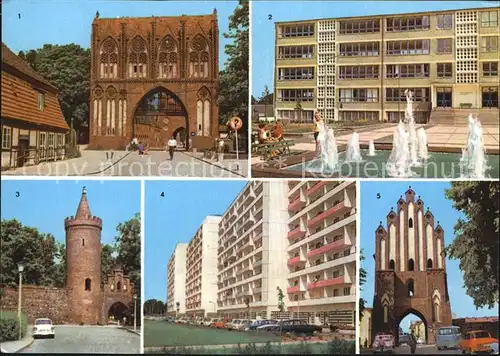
x=131 y=331
x=28 y=345
x=215 y=165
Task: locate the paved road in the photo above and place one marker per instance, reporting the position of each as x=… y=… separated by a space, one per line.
x=156 y=163
x=87 y=339
x=422 y=350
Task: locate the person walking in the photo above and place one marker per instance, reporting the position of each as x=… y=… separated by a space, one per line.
x=141 y=149
x=172 y=144
x=413 y=342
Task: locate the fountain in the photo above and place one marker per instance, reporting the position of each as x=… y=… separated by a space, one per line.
x=422 y=144
x=328 y=149
x=371 y=149
x=398 y=162
x=473 y=162
x=353 y=153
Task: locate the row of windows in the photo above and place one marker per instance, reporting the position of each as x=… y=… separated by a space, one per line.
x=489 y=44
x=298 y=30
x=295 y=94
x=358 y=95
x=411 y=23
x=362 y=72
x=46 y=140
x=165 y=70
x=296 y=73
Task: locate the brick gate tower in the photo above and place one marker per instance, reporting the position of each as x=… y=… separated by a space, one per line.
x=410 y=270
x=83 y=261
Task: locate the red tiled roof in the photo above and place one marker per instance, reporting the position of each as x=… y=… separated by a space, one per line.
x=20 y=98
x=488 y=319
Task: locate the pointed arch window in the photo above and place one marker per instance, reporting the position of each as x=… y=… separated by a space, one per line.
x=88 y=284
x=198 y=58
x=203 y=116
x=410 y=223
x=167 y=58
x=391 y=265
x=119 y=285
x=429 y=263
x=411 y=264
x=108 y=59
x=411 y=288
x=138 y=58
x=386 y=314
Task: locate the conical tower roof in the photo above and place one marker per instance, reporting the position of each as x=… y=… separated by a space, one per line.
x=83 y=211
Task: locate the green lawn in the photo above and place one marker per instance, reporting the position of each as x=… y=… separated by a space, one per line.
x=161 y=333
x=302 y=349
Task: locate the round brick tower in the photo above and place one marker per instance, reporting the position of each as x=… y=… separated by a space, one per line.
x=83 y=264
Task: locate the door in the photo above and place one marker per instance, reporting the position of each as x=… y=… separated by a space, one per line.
x=23 y=150
x=490 y=97
x=444 y=97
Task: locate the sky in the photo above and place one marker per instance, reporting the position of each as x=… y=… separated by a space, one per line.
x=175 y=218
x=374 y=210
x=266 y=13
x=44 y=204
x=69 y=21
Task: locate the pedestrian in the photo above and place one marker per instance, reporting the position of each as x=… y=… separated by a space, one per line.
x=171 y=145
x=413 y=342
x=141 y=148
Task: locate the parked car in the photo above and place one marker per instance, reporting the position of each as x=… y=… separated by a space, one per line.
x=43 y=328
x=294 y=326
x=261 y=322
x=183 y=320
x=220 y=324
x=479 y=341
x=244 y=324
x=383 y=343
x=494 y=348
x=233 y=324
x=404 y=338
x=209 y=321
x=448 y=337
x=420 y=342
x=199 y=320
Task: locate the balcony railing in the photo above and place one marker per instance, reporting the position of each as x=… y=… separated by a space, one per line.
x=316 y=187
x=294 y=289
x=325 y=214
x=294 y=260
x=296 y=233
x=296 y=204
x=326 y=283
x=326 y=248
x=257 y=290
x=257 y=263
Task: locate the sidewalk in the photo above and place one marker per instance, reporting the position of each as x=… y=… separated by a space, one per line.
x=16 y=346
x=131 y=329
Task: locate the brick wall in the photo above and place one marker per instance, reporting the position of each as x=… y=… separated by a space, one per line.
x=38 y=302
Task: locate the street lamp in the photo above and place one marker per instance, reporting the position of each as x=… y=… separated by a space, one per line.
x=20 y=268
x=135 y=312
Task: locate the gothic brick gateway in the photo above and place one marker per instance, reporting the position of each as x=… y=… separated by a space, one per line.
x=153 y=77
x=410 y=270
x=84 y=299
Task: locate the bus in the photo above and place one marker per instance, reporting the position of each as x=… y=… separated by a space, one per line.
x=448 y=337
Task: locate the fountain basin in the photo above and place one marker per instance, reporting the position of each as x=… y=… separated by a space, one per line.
x=439 y=165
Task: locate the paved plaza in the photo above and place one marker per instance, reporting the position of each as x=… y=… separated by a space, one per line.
x=88 y=339
x=155 y=163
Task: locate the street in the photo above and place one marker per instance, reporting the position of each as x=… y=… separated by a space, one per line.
x=421 y=349
x=156 y=163
x=87 y=339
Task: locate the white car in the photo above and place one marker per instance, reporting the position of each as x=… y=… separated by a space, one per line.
x=43 y=328
x=420 y=342
x=233 y=324
x=244 y=323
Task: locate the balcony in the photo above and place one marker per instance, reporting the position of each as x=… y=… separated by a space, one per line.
x=326 y=248
x=257 y=290
x=296 y=233
x=243 y=293
x=257 y=263
x=243 y=270
x=294 y=289
x=245 y=246
x=294 y=260
x=295 y=205
x=325 y=214
x=315 y=188
x=326 y=283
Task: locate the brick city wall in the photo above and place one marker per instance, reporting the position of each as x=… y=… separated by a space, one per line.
x=38 y=302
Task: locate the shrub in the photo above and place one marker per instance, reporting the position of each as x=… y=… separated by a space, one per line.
x=9 y=326
x=72 y=152
x=341 y=347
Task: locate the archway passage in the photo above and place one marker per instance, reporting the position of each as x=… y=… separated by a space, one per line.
x=117 y=311
x=412 y=320
x=156 y=116
x=180 y=134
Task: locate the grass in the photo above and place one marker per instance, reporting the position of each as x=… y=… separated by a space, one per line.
x=161 y=333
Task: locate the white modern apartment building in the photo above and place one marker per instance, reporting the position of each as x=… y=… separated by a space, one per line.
x=252 y=251
x=176 y=281
x=201 y=269
x=321 y=248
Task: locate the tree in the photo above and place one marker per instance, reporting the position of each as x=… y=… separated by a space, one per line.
x=107 y=262
x=247 y=303
x=128 y=248
x=476 y=238
x=38 y=252
x=281 y=306
x=362 y=281
x=233 y=95
x=67 y=67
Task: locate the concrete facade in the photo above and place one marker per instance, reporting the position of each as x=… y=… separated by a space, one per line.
x=176 y=283
x=251 y=254
x=201 y=269
x=321 y=252
x=153 y=77
x=410 y=270
x=353 y=68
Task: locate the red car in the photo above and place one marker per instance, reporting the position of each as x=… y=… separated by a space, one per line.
x=383 y=343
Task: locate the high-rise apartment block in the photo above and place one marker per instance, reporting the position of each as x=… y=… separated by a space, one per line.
x=298 y=237
x=358 y=68
x=176 y=281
